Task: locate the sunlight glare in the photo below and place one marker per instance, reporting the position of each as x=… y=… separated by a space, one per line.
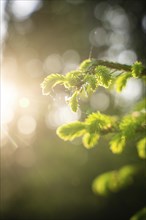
x=23 y=9
x=9 y=96
x=3 y=138
x=3 y=23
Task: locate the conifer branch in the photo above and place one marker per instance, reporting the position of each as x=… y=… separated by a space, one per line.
x=117 y=66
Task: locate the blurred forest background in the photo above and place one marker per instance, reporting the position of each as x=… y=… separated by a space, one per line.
x=43 y=177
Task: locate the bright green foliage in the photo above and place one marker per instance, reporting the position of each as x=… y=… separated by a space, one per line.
x=137 y=69
x=127 y=128
x=73 y=80
x=90 y=139
x=91 y=128
x=100 y=184
x=51 y=81
x=89 y=76
x=97 y=122
x=141 y=148
x=140 y=215
x=104 y=78
x=122 y=81
x=90 y=82
x=132 y=123
x=71 y=131
x=89 y=85
x=85 y=81
x=86 y=65
x=114 y=181
x=117 y=144
x=73 y=102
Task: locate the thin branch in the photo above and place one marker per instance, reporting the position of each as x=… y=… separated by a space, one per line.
x=117 y=66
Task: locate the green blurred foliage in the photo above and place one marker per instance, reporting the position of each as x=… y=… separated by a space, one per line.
x=140 y=215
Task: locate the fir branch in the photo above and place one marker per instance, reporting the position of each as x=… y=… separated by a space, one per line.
x=116 y=66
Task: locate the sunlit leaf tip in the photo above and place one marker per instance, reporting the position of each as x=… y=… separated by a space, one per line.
x=97 y=122
x=141 y=148
x=73 y=79
x=100 y=184
x=90 y=140
x=73 y=102
x=137 y=69
x=117 y=144
x=50 y=82
x=71 y=131
x=84 y=66
x=103 y=75
x=114 y=181
x=122 y=81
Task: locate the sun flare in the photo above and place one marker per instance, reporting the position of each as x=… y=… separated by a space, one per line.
x=9 y=95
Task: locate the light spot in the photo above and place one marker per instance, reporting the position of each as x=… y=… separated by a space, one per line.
x=119 y=38
x=99 y=101
x=71 y=59
x=144 y=23
x=24 y=102
x=71 y=56
x=53 y=64
x=98 y=37
x=132 y=91
x=127 y=57
x=69 y=67
x=26 y=125
x=117 y=18
x=114 y=51
x=61 y=115
x=101 y=9
x=23 y=9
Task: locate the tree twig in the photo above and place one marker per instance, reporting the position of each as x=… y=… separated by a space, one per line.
x=117 y=66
